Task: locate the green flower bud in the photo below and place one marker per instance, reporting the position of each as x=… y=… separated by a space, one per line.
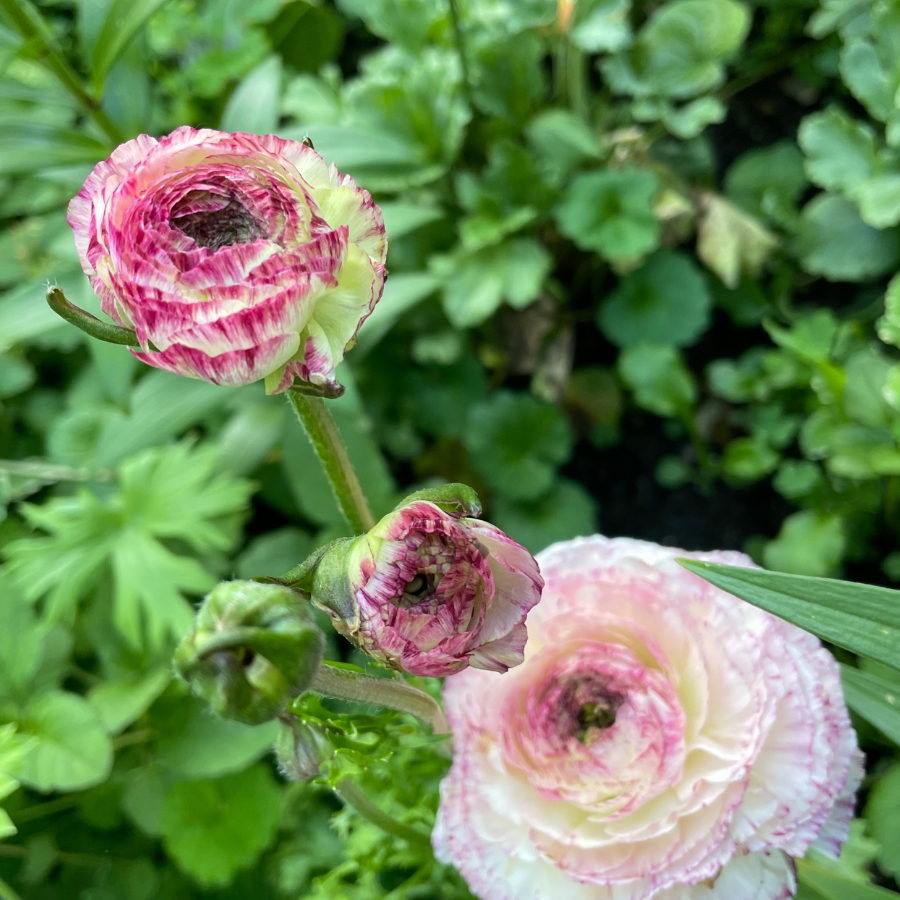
x=300 y=748
x=253 y=649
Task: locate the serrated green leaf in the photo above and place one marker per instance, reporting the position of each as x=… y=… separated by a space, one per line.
x=666 y=301
x=875 y=699
x=611 y=211
x=71 y=749
x=476 y=283
x=840 y=151
x=212 y=829
x=516 y=442
x=858 y=617
x=809 y=543
x=889 y=323
x=768 y=181
x=605 y=28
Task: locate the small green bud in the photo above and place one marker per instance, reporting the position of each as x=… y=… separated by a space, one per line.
x=253 y=649
x=300 y=748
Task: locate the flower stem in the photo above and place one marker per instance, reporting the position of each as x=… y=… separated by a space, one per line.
x=329 y=446
x=28 y=468
x=353 y=796
x=345 y=685
x=31 y=26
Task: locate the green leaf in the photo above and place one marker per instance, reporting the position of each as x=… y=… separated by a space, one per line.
x=477 y=282
x=605 y=28
x=212 y=829
x=561 y=142
x=611 y=211
x=840 y=151
x=26 y=148
x=809 y=543
x=749 y=459
x=254 y=104
x=875 y=699
x=566 y=512
x=402 y=293
x=836 y=243
x=516 y=442
x=658 y=378
x=192 y=744
x=124 y=19
x=883 y=816
x=768 y=181
x=831 y=885
x=401 y=218
x=408 y=23
x=858 y=617
x=732 y=243
x=889 y=323
x=666 y=301
x=124 y=699
x=71 y=749
x=682 y=49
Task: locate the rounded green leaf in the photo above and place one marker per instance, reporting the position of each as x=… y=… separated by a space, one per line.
x=516 y=442
x=666 y=301
x=212 y=829
x=835 y=242
x=611 y=211
x=71 y=749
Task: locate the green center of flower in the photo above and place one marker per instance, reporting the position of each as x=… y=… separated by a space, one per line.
x=419 y=589
x=600 y=715
x=220 y=227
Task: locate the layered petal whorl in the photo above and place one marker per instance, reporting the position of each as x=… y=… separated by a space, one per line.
x=662 y=739
x=234 y=257
x=435 y=592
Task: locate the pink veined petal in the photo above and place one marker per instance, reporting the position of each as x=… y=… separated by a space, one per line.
x=235 y=367
x=283 y=314
x=81 y=212
x=501 y=654
x=763 y=875
x=347 y=204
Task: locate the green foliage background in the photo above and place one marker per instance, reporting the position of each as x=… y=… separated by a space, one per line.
x=640 y=267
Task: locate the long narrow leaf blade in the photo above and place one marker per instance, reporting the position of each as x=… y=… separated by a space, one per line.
x=834 y=886
x=858 y=617
x=123 y=21
x=875 y=699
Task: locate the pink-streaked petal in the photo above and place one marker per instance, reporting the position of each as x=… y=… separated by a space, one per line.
x=235 y=367
x=501 y=654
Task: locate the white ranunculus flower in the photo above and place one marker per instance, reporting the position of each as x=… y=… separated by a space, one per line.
x=662 y=739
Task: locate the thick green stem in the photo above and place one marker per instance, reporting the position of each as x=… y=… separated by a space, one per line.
x=353 y=796
x=326 y=440
x=343 y=684
x=32 y=27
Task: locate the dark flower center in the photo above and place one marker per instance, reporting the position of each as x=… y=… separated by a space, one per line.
x=587 y=706
x=231 y=223
x=419 y=589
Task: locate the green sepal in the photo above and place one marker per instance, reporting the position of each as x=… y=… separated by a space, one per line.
x=91 y=325
x=331 y=588
x=253 y=649
x=455 y=499
x=300 y=578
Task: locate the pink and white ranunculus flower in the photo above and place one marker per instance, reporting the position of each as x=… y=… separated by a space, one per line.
x=431 y=592
x=234 y=257
x=662 y=739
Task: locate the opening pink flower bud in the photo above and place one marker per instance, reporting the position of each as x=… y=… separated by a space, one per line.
x=234 y=257
x=662 y=740
x=432 y=592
